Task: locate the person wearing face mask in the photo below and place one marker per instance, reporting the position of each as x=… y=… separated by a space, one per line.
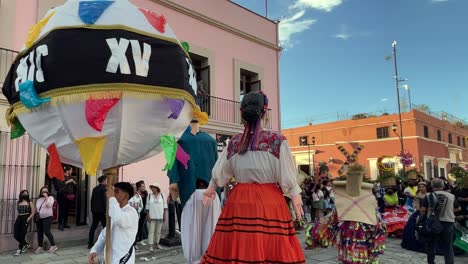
x=25 y=214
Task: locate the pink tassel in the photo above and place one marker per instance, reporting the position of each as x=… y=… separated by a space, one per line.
x=182 y=156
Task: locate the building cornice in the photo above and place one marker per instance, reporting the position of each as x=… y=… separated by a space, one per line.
x=216 y=23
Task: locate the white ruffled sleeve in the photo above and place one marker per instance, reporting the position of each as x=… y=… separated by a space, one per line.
x=286 y=172
x=222 y=171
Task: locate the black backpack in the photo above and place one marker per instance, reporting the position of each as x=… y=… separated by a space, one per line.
x=429 y=225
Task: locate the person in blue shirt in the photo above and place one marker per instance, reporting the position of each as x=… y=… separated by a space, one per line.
x=203 y=152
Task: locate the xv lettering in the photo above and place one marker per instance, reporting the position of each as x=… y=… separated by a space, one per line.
x=33 y=70
x=118 y=57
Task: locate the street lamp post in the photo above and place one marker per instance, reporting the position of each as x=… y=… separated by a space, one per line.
x=397 y=83
x=308 y=150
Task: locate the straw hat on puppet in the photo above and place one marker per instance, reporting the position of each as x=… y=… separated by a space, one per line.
x=354 y=199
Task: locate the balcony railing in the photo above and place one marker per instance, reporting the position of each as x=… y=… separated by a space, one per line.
x=6 y=60
x=223 y=110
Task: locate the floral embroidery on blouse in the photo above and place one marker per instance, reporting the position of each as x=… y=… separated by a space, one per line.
x=269 y=141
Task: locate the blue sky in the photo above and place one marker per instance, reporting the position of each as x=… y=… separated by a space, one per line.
x=333 y=63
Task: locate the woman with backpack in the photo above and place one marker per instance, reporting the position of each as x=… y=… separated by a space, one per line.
x=156 y=207
x=25 y=214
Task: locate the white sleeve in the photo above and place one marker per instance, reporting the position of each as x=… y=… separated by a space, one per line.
x=98 y=247
x=286 y=174
x=118 y=216
x=222 y=171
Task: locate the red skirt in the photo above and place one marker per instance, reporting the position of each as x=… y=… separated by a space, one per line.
x=255 y=227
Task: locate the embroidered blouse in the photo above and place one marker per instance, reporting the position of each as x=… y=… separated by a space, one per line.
x=271 y=162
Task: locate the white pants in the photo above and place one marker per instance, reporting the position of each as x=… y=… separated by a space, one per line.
x=154 y=231
x=198 y=225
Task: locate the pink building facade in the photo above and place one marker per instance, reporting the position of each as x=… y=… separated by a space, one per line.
x=234 y=51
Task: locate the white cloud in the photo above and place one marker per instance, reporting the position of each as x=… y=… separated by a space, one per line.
x=438 y=1
x=291 y=26
x=325 y=5
x=384 y=99
x=344 y=34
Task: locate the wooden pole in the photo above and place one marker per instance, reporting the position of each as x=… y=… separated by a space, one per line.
x=112 y=175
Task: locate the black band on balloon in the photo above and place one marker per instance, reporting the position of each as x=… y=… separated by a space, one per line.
x=81 y=56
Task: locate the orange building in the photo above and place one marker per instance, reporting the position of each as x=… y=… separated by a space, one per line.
x=437 y=141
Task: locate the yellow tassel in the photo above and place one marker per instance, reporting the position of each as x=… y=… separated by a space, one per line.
x=91 y=151
x=202 y=117
x=36 y=30
x=10 y=116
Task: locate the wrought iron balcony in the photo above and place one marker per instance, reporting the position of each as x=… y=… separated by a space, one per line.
x=222 y=110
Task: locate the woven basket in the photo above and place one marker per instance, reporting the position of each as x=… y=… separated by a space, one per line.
x=390 y=181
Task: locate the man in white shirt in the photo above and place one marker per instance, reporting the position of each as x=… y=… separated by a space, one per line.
x=124 y=227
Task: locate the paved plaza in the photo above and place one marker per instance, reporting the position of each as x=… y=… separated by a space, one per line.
x=78 y=254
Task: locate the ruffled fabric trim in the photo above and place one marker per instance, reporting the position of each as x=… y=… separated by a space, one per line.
x=357 y=243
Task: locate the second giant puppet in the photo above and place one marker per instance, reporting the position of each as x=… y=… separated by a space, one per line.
x=196 y=174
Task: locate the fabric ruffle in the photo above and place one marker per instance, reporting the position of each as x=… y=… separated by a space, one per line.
x=357 y=243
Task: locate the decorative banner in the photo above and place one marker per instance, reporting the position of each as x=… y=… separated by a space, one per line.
x=386 y=163
x=17 y=130
x=182 y=156
x=349 y=158
x=176 y=106
x=91 y=150
x=169 y=146
x=28 y=95
x=36 y=30
x=91 y=11
x=158 y=22
x=54 y=169
x=186 y=46
x=96 y=111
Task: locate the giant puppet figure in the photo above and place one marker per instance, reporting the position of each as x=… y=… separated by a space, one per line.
x=101 y=84
x=354 y=227
x=201 y=148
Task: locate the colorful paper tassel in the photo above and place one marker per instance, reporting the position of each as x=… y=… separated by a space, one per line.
x=176 y=106
x=54 y=168
x=185 y=46
x=182 y=156
x=91 y=11
x=169 y=146
x=158 y=22
x=96 y=111
x=17 y=130
x=29 y=97
x=91 y=151
x=36 y=30
x=202 y=117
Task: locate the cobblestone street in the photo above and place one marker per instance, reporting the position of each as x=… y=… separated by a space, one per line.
x=78 y=254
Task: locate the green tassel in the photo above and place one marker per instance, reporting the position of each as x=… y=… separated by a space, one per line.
x=169 y=146
x=17 y=130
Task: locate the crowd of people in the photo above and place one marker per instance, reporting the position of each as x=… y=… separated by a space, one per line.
x=407 y=209
x=259 y=169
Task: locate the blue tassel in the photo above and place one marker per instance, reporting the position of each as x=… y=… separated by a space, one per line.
x=91 y=11
x=29 y=97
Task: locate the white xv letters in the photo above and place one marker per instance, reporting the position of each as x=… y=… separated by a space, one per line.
x=26 y=71
x=118 y=58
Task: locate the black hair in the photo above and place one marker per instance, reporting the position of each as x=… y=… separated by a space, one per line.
x=253 y=107
x=126 y=187
x=139 y=183
x=67 y=167
x=102 y=178
x=20 y=199
x=40 y=191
